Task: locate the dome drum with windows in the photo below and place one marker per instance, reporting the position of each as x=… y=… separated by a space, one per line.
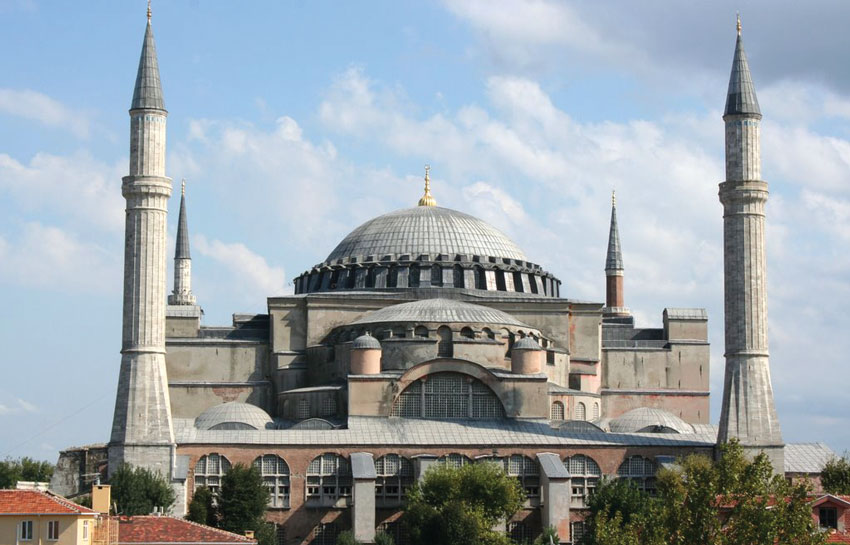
x=428 y=247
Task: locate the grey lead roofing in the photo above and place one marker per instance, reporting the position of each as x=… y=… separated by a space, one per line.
x=181 y=251
x=614 y=259
x=148 y=91
x=439 y=311
x=741 y=99
x=427 y=230
x=807 y=457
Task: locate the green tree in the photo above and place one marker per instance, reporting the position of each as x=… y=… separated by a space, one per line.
x=202 y=507
x=24 y=469
x=835 y=477
x=460 y=506
x=383 y=538
x=346 y=538
x=242 y=500
x=549 y=535
x=138 y=490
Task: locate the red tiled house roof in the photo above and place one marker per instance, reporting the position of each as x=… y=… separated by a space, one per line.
x=31 y=502
x=152 y=530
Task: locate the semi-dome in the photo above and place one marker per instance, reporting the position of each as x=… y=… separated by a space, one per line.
x=648 y=419
x=428 y=230
x=234 y=416
x=442 y=311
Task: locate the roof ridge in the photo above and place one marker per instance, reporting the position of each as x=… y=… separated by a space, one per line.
x=204 y=526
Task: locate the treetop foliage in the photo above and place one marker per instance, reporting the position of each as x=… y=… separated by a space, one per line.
x=835 y=477
x=24 y=469
x=138 y=490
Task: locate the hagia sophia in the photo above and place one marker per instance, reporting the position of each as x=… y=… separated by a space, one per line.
x=425 y=337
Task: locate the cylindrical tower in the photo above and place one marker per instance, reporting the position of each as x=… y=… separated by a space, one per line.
x=142 y=433
x=182 y=294
x=748 y=412
x=615 y=301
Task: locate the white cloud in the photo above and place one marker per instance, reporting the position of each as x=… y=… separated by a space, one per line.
x=18 y=406
x=37 y=106
x=250 y=273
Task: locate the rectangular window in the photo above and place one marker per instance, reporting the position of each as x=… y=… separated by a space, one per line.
x=53 y=530
x=85 y=530
x=828 y=517
x=26 y=530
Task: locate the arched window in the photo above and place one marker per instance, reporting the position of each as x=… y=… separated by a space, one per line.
x=581 y=411
x=394 y=478
x=436 y=275
x=448 y=395
x=585 y=475
x=487 y=332
x=444 y=342
x=454 y=460
x=595 y=410
x=525 y=470
x=480 y=278
x=421 y=331
x=467 y=333
x=329 y=406
x=399 y=332
x=209 y=470
x=328 y=477
x=303 y=408
x=557 y=411
x=639 y=470
x=519 y=533
x=275 y=474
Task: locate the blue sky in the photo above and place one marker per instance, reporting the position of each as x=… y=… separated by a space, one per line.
x=294 y=122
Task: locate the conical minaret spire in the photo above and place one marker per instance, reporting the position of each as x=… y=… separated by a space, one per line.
x=748 y=412
x=142 y=433
x=614 y=296
x=182 y=294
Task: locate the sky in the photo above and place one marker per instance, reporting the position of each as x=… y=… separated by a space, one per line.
x=294 y=122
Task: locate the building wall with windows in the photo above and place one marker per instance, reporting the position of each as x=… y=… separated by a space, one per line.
x=43 y=518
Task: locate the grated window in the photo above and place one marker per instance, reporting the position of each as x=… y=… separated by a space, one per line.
x=519 y=533
x=581 y=411
x=303 y=409
x=448 y=395
x=585 y=475
x=557 y=411
x=525 y=470
x=209 y=470
x=329 y=405
x=394 y=478
x=640 y=470
x=275 y=474
x=454 y=460
x=328 y=477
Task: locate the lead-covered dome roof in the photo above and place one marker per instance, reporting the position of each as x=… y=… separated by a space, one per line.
x=649 y=419
x=443 y=311
x=429 y=230
x=234 y=416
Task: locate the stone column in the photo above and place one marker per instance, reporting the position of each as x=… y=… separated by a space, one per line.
x=363 y=496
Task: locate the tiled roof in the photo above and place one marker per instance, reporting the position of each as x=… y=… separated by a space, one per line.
x=34 y=501
x=152 y=530
x=807 y=457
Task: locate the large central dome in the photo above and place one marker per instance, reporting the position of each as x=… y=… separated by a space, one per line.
x=427 y=230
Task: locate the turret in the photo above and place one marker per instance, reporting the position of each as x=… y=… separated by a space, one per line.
x=526 y=357
x=182 y=294
x=142 y=432
x=615 y=304
x=365 y=355
x=748 y=412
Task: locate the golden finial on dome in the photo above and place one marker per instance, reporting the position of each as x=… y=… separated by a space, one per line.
x=427 y=199
x=738 y=25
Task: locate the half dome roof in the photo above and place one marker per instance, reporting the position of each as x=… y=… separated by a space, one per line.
x=647 y=419
x=427 y=230
x=439 y=311
x=234 y=416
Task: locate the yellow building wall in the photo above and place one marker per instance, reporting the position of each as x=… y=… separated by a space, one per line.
x=70 y=529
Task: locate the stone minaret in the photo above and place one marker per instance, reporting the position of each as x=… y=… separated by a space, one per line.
x=615 y=304
x=182 y=294
x=748 y=412
x=142 y=434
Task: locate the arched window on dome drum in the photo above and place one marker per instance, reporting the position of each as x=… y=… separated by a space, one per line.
x=487 y=332
x=639 y=470
x=457 y=276
x=557 y=411
x=436 y=275
x=209 y=470
x=413 y=280
x=525 y=470
x=328 y=478
x=447 y=396
x=595 y=410
x=480 y=278
x=444 y=344
x=394 y=478
x=581 y=411
x=467 y=333
x=500 y=280
x=454 y=460
x=275 y=474
x=421 y=331
x=585 y=475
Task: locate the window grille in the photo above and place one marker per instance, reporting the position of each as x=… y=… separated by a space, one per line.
x=454 y=460
x=525 y=470
x=275 y=474
x=577 y=531
x=329 y=405
x=448 y=395
x=325 y=533
x=209 y=470
x=280 y=535
x=397 y=530
x=519 y=533
x=595 y=411
x=303 y=408
x=639 y=470
x=328 y=477
x=585 y=475
x=557 y=411
x=394 y=478
x=581 y=411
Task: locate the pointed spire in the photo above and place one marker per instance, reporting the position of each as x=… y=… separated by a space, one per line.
x=182 y=249
x=148 y=91
x=614 y=260
x=427 y=199
x=741 y=98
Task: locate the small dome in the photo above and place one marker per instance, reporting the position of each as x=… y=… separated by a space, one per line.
x=426 y=230
x=234 y=416
x=444 y=311
x=647 y=420
x=366 y=342
x=526 y=343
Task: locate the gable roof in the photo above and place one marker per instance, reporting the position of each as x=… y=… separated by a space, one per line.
x=32 y=502
x=152 y=530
